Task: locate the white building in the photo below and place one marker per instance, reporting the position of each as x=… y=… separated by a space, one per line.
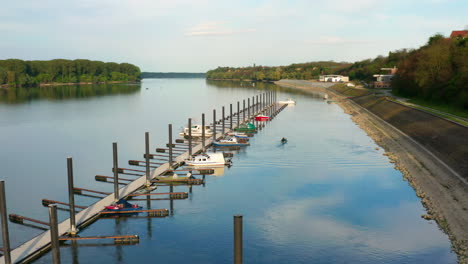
x=333 y=78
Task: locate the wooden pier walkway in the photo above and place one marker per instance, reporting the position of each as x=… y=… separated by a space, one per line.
x=40 y=244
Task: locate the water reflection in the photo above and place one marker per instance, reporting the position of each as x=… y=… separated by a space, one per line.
x=16 y=95
x=259 y=86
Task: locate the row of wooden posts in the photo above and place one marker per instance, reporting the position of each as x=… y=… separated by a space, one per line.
x=266 y=99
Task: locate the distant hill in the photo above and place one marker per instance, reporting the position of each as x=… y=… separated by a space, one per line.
x=155 y=75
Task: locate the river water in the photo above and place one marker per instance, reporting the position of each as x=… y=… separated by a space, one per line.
x=327 y=196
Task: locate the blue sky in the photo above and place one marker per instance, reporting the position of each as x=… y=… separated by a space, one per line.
x=198 y=35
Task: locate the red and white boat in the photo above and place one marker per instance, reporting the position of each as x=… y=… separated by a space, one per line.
x=262 y=118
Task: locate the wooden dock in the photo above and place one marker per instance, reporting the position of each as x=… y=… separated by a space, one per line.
x=40 y=244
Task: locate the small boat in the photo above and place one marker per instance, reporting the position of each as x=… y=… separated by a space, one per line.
x=175 y=177
x=239 y=135
x=231 y=141
x=248 y=128
x=197 y=131
x=122 y=206
x=288 y=101
x=262 y=118
x=207 y=160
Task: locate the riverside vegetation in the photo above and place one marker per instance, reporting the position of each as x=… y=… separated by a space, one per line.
x=16 y=73
x=436 y=73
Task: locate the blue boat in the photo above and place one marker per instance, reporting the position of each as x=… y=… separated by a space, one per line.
x=239 y=135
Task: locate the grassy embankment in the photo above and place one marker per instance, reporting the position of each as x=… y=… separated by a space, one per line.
x=443 y=110
x=349 y=91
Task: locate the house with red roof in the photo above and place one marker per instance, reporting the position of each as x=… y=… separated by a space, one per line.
x=459 y=34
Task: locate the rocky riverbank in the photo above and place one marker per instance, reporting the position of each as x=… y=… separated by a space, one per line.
x=443 y=194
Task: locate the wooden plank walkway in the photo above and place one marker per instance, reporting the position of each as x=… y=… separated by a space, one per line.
x=37 y=245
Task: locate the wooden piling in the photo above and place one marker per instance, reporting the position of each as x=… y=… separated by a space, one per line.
x=243 y=111
x=238 y=239
x=54 y=235
x=238 y=109
x=223 y=118
x=203 y=132
x=147 y=149
x=230 y=116
x=170 y=146
x=214 y=125
x=116 y=173
x=5 y=232
x=248 y=108
x=190 y=136
x=71 y=196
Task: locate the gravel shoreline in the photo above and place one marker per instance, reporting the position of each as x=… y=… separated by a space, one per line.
x=443 y=195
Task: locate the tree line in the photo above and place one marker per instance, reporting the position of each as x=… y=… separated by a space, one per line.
x=437 y=72
x=15 y=72
x=308 y=70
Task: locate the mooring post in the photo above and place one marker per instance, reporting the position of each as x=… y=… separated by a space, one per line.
x=256 y=105
x=116 y=172
x=238 y=116
x=71 y=196
x=190 y=136
x=214 y=125
x=54 y=236
x=5 y=233
x=264 y=102
x=223 y=121
x=243 y=111
x=171 y=201
x=170 y=145
x=230 y=117
x=248 y=108
x=147 y=158
x=203 y=132
x=237 y=239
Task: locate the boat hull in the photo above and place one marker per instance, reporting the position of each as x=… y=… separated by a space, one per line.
x=230 y=144
x=262 y=118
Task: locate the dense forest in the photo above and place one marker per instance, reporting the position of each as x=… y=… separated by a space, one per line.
x=437 y=72
x=309 y=70
x=155 y=75
x=14 y=72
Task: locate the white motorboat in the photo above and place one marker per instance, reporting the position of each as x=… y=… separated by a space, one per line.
x=288 y=101
x=197 y=131
x=231 y=142
x=207 y=160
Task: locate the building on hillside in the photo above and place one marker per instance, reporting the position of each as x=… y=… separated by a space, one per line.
x=459 y=34
x=384 y=80
x=333 y=78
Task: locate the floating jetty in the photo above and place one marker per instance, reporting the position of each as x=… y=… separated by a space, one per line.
x=170 y=159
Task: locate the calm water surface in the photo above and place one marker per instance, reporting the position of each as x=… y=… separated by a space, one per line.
x=327 y=196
